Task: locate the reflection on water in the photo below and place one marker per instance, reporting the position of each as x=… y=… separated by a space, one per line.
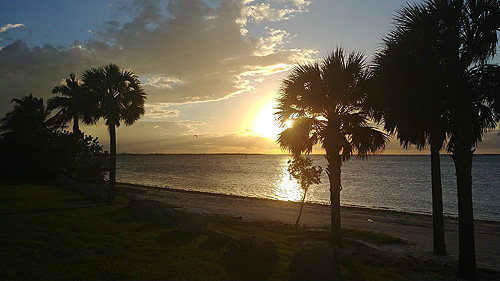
x=395 y=182
x=286 y=188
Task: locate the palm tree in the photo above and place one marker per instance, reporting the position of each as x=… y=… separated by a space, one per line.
x=25 y=140
x=489 y=85
x=70 y=103
x=118 y=97
x=28 y=118
x=326 y=104
x=454 y=57
x=405 y=97
x=467 y=36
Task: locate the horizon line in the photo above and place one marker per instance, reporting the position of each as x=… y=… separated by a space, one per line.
x=284 y=154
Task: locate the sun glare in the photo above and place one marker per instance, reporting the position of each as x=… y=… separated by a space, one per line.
x=264 y=124
x=286 y=188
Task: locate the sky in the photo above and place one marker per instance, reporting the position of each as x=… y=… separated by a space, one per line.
x=211 y=69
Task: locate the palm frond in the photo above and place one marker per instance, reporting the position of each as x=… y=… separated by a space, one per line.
x=368 y=140
x=326 y=102
x=116 y=95
x=299 y=138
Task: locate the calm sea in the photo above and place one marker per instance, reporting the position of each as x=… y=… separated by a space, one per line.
x=400 y=183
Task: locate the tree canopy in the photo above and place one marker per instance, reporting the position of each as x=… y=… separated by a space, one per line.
x=325 y=103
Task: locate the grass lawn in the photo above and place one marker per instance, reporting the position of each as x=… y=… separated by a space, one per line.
x=48 y=233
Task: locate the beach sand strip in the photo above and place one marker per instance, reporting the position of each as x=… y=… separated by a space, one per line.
x=415 y=229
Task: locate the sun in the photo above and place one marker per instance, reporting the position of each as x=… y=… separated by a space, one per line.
x=261 y=119
x=264 y=124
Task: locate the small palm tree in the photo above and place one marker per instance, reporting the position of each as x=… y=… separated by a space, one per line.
x=303 y=171
x=118 y=97
x=326 y=104
x=71 y=102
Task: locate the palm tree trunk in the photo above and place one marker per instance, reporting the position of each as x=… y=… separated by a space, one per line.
x=333 y=171
x=301 y=207
x=439 y=243
x=462 y=156
x=76 y=128
x=112 y=165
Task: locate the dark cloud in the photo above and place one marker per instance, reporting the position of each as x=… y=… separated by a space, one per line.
x=37 y=70
x=184 y=51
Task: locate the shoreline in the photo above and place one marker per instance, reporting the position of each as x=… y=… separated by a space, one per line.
x=382 y=209
x=414 y=229
x=320 y=154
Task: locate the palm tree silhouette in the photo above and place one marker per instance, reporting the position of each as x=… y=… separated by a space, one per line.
x=118 y=97
x=28 y=118
x=326 y=104
x=406 y=97
x=71 y=102
x=26 y=140
x=457 y=39
x=473 y=41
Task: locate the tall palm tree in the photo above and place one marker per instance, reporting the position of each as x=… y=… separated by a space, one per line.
x=467 y=36
x=118 y=97
x=70 y=102
x=326 y=104
x=406 y=97
x=462 y=39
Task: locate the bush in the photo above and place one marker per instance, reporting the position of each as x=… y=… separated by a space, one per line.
x=45 y=156
x=80 y=157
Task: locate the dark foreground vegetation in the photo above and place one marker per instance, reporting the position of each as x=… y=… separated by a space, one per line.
x=34 y=145
x=434 y=83
x=50 y=233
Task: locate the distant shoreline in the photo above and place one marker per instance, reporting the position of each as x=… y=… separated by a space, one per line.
x=252 y=154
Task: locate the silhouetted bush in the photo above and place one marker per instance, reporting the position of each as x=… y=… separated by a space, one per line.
x=46 y=155
x=80 y=157
x=33 y=147
x=26 y=157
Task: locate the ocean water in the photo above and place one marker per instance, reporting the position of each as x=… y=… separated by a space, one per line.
x=393 y=182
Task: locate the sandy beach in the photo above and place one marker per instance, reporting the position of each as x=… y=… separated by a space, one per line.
x=415 y=229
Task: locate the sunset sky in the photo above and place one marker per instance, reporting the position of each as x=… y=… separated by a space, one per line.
x=211 y=69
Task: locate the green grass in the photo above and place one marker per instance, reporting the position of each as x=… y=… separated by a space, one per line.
x=48 y=233
x=371 y=237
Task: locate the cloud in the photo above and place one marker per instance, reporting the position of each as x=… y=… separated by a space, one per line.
x=159 y=112
x=184 y=51
x=202 y=143
x=10 y=26
x=37 y=70
x=181 y=137
x=264 y=11
x=269 y=45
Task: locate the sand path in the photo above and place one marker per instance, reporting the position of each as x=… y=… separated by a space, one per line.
x=413 y=228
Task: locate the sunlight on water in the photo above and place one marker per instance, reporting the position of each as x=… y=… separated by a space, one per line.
x=286 y=188
x=394 y=182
